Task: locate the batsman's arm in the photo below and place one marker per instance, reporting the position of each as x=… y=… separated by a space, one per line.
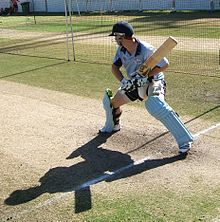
x=157 y=69
x=117 y=73
x=125 y=84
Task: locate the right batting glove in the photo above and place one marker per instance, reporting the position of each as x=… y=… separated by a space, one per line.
x=139 y=81
x=126 y=84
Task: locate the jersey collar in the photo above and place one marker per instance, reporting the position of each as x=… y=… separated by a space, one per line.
x=138 y=51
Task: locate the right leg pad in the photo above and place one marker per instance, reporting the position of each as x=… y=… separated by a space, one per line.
x=158 y=108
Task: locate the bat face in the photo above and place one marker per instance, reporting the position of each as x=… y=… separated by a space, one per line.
x=155 y=58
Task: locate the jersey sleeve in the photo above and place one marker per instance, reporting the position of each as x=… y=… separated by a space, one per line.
x=117 y=59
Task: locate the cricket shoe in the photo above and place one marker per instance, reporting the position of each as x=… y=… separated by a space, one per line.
x=185 y=147
x=116 y=128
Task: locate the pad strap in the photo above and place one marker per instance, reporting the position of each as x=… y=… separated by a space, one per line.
x=116 y=112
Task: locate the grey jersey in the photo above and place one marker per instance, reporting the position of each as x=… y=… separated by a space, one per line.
x=131 y=62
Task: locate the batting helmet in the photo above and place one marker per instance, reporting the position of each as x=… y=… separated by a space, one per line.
x=122 y=28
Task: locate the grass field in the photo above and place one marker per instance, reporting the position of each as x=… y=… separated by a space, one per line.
x=42 y=126
x=202 y=90
x=191 y=24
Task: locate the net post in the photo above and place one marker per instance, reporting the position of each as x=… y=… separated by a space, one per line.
x=67 y=36
x=71 y=27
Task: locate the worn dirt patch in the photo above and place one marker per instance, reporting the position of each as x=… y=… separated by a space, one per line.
x=184 y=43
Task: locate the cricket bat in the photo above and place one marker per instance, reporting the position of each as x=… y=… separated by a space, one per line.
x=155 y=58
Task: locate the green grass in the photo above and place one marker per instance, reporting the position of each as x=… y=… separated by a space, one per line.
x=156 y=205
x=190 y=94
x=189 y=24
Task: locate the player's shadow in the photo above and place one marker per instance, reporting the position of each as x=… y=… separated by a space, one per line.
x=96 y=163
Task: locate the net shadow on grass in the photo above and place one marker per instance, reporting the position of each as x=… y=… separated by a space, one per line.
x=31 y=70
x=32 y=56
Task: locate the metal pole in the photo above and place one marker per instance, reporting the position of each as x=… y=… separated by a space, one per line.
x=71 y=27
x=110 y=5
x=34 y=12
x=77 y=5
x=67 y=36
x=140 y=5
x=46 y=6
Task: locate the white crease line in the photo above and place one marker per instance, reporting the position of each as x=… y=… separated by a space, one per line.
x=99 y=179
x=109 y=174
x=206 y=130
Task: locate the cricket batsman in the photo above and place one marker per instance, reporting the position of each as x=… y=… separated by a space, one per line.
x=131 y=54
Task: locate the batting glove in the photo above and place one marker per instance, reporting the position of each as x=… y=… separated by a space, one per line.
x=139 y=81
x=126 y=85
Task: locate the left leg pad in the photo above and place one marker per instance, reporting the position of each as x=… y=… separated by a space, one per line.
x=109 y=123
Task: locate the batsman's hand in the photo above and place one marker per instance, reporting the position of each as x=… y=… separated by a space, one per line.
x=126 y=85
x=139 y=81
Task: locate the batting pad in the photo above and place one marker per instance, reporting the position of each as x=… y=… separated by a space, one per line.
x=109 y=123
x=158 y=108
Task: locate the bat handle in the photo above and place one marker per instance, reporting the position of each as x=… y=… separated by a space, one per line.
x=144 y=72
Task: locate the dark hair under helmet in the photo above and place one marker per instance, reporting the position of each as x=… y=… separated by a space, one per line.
x=122 y=28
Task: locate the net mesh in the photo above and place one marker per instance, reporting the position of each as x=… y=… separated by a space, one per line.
x=39 y=29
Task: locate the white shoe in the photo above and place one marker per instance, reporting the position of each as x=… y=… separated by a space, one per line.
x=185 y=147
x=115 y=129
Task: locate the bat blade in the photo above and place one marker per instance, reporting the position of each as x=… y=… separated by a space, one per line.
x=155 y=58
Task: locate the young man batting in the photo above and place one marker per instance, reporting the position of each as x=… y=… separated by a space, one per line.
x=131 y=54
